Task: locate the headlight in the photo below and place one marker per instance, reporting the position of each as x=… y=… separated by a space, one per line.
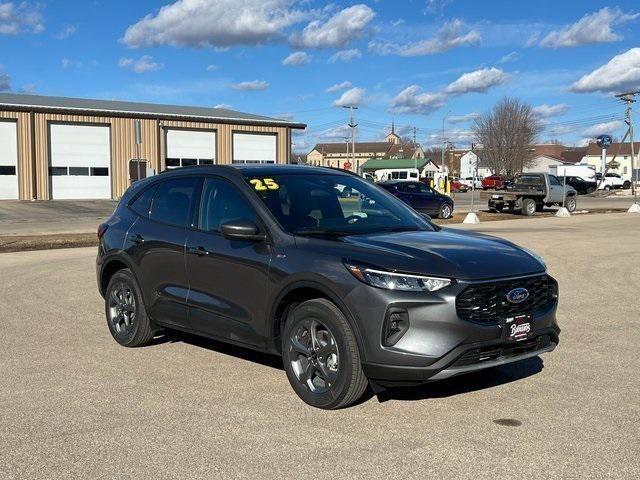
x=397 y=281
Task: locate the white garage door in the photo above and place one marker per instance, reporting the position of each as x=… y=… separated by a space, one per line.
x=80 y=162
x=190 y=147
x=8 y=161
x=254 y=148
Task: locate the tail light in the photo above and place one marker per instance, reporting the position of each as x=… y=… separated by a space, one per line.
x=102 y=229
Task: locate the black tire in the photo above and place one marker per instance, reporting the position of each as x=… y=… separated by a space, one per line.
x=607 y=187
x=446 y=211
x=626 y=185
x=496 y=208
x=528 y=207
x=349 y=381
x=590 y=190
x=571 y=203
x=123 y=301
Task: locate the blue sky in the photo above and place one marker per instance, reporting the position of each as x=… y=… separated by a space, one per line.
x=416 y=61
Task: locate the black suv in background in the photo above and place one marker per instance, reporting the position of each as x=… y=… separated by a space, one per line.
x=347 y=289
x=580 y=185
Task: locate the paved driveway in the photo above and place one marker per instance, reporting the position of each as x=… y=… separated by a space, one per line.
x=54 y=216
x=76 y=405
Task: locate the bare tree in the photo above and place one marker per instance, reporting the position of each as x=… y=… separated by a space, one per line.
x=506 y=134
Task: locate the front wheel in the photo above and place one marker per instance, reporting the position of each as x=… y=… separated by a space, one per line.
x=570 y=204
x=321 y=356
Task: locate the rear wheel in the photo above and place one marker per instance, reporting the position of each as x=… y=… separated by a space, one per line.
x=626 y=185
x=321 y=356
x=125 y=311
x=528 y=207
x=445 y=211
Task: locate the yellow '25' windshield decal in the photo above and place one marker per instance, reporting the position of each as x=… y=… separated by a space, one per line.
x=264 y=184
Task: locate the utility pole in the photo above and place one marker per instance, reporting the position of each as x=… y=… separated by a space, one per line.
x=346 y=140
x=353 y=126
x=629 y=99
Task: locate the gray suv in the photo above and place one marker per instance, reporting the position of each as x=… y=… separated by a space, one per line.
x=349 y=290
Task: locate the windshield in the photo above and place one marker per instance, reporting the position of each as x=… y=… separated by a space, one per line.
x=334 y=205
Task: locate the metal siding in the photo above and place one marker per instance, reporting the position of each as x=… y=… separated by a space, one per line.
x=122 y=145
x=25 y=175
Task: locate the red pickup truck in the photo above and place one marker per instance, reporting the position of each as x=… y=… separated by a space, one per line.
x=494 y=182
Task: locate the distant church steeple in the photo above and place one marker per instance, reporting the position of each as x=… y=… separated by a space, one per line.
x=393 y=137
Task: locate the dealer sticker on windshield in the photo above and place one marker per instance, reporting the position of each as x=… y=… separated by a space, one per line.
x=262 y=184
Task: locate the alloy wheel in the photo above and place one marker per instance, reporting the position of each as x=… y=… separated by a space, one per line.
x=314 y=356
x=122 y=308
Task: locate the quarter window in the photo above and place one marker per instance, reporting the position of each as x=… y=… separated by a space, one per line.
x=142 y=204
x=172 y=202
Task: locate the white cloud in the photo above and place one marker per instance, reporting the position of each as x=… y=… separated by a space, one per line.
x=339 y=86
x=592 y=28
x=23 y=17
x=463 y=118
x=603 y=128
x=509 y=57
x=456 y=136
x=621 y=73
x=345 y=55
x=212 y=67
x=413 y=100
x=28 y=88
x=225 y=106
x=477 y=81
x=338 y=31
x=142 y=65
x=252 y=85
x=66 y=32
x=450 y=36
x=336 y=132
x=223 y=23
x=296 y=59
x=437 y=6
x=546 y=111
x=353 y=96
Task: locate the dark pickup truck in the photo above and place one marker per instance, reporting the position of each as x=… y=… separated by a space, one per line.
x=531 y=192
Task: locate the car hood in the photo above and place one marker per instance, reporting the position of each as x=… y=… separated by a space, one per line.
x=447 y=252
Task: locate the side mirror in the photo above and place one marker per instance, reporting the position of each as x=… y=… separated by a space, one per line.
x=241 y=229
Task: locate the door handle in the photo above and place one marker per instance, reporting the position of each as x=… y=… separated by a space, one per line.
x=137 y=239
x=200 y=251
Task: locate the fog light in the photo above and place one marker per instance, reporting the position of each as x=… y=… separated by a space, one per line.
x=395 y=326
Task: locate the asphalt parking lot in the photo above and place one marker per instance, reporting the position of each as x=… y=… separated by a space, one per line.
x=76 y=405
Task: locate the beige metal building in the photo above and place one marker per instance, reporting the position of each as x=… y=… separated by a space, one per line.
x=69 y=148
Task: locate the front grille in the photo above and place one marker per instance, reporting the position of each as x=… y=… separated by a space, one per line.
x=487 y=302
x=495 y=352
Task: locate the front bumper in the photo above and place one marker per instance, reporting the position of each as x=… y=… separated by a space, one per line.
x=438 y=343
x=461 y=360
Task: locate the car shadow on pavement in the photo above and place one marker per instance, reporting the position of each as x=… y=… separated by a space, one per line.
x=224 y=348
x=466 y=383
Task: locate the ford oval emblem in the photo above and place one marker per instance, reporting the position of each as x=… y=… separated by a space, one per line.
x=518 y=295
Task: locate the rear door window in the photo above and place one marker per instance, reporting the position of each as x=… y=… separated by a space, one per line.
x=173 y=201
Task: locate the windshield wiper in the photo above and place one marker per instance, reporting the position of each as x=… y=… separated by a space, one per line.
x=400 y=229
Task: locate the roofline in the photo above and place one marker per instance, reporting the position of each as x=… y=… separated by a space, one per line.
x=236 y=120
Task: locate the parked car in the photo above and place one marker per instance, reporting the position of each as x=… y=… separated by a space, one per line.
x=531 y=192
x=494 y=182
x=458 y=186
x=469 y=182
x=581 y=185
x=612 y=181
x=347 y=292
x=421 y=197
